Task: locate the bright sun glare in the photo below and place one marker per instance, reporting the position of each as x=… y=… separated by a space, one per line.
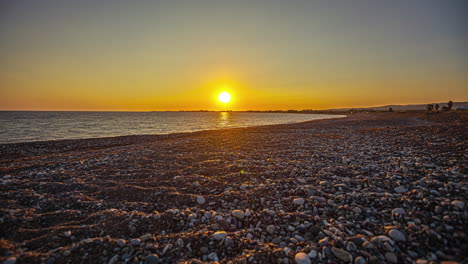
x=224 y=97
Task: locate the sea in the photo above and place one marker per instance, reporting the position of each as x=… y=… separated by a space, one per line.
x=27 y=126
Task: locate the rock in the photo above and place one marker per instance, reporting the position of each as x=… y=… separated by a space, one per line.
x=201 y=200
x=298 y=201
x=299 y=238
x=302 y=258
x=213 y=256
x=324 y=241
x=67 y=233
x=145 y=237
x=228 y=242
x=271 y=212
x=270 y=229
x=458 y=204
x=152 y=259
x=11 y=260
x=398 y=212
x=397 y=235
x=114 y=259
x=381 y=239
x=312 y=254
x=343 y=255
x=204 y=250
x=156 y=215
x=357 y=210
x=360 y=260
x=121 y=243
x=135 y=242
x=391 y=257
x=238 y=214
x=351 y=246
x=220 y=235
x=400 y=189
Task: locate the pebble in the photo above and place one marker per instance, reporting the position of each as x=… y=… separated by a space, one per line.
x=270 y=229
x=458 y=204
x=201 y=200
x=360 y=260
x=398 y=212
x=213 y=256
x=145 y=237
x=397 y=235
x=391 y=257
x=121 y=243
x=152 y=259
x=135 y=242
x=400 y=189
x=220 y=235
x=11 y=260
x=299 y=201
x=343 y=255
x=238 y=214
x=312 y=254
x=302 y=258
x=114 y=259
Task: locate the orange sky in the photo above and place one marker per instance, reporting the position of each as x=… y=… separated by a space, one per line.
x=175 y=55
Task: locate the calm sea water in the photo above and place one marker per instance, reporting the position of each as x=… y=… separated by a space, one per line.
x=38 y=126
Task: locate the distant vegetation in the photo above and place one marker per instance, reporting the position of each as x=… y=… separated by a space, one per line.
x=432 y=107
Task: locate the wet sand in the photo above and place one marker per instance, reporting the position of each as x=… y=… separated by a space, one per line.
x=368 y=188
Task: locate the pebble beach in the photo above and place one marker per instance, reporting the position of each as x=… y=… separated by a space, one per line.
x=366 y=188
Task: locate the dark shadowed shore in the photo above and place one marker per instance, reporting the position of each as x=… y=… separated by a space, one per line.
x=368 y=188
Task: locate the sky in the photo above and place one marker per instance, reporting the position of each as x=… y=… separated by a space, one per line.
x=269 y=54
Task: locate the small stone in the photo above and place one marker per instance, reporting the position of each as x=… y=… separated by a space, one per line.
x=360 y=260
x=228 y=242
x=302 y=258
x=398 y=212
x=391 y=257
x=351 y=246
x=357 y=210
x=152 y=259
x=204 y=250
x=135 y=242
x=114 y=259
x=156 y=215
x=201 y=200
x=270 y=229
x=458 y=204
x=298 y=201
x=312 y=254
x=299 y=238
x=401 y=189
x=145 y=237
x=238 y=214
x=220 y=235
x=343 y=255
x=67 y=233
x=11 y=260
x=397 y=235
x=213 y=256
x=121 y=243
x=271 y=212
x=324 y=241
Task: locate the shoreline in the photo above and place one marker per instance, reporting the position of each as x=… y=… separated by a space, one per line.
x=169 y=133
x=5 y=148
x=367 y=188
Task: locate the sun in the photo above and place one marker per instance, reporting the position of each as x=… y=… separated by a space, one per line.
x=224 y=97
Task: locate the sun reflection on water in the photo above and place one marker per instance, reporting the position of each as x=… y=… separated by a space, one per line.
x=224 y=119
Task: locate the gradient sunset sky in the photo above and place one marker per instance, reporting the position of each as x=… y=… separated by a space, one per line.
x=178 y=55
